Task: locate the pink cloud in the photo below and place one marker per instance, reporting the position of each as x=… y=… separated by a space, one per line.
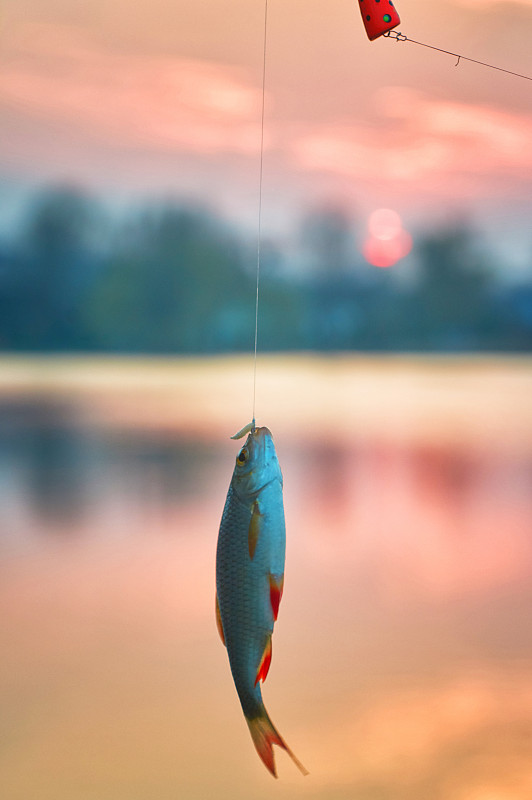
x=160 y=102
x=65 y=92
x=419 y=138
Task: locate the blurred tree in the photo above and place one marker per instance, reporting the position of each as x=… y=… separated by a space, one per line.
x=178 y=279
x=333 y=279
x=513 y=315
x=174 y=283
x=450 y=306
x=49 y=273
x=327 y=239
x=11 y=290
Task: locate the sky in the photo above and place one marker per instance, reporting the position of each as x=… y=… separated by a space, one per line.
x=164 y=98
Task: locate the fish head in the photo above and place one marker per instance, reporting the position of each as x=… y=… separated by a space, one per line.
x=256 y=464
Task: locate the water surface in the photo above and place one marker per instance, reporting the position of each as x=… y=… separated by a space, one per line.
x=403 y=650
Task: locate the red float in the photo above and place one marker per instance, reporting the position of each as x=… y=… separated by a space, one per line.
x=378 y=16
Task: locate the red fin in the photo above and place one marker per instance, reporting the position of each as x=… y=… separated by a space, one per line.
x=219 y=621
x=266 y=660
x=254 y=529
x=276 y=592
x=264 y=737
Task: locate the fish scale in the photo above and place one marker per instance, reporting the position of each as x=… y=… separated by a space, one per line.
x=249 y=578
x=240 y=609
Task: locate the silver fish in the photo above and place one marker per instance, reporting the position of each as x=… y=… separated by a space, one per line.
x=249 y=580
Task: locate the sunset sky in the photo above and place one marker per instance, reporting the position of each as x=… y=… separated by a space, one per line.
x=163 y=97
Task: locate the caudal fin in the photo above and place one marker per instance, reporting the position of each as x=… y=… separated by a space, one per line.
x=264 y=737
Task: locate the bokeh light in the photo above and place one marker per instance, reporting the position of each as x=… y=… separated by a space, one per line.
x=387 y=242
x=384 y=224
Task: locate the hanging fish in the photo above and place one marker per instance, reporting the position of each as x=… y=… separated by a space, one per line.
x=379 y=16
x=249 y=580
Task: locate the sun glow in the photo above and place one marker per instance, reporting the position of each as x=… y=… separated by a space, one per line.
x=387 y=241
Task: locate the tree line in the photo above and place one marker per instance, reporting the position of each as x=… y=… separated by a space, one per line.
x=171 y=278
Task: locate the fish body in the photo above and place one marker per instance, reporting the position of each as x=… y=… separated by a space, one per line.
x=249 y=580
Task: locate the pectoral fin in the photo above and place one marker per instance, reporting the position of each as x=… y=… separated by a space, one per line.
x=219 y=621
x=254 y=529
x=265 y=662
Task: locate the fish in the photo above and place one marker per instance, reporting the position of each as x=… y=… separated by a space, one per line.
x=250 y=558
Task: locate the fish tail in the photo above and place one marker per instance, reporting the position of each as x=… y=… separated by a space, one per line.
x=264 y=736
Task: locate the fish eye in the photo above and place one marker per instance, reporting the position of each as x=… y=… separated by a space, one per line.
x=242 y=457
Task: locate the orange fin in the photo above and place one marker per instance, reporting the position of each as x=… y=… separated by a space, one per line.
x=266 y=660
x=254 y=529
x=219 y=621
x=264 y=737
x=276 y=592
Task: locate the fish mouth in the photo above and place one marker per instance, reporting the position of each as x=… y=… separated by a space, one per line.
x=260 y=443
x=261 y=433
x=257 y=442
x=261 y=467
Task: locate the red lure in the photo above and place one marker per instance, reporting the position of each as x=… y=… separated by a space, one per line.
x=378 y=17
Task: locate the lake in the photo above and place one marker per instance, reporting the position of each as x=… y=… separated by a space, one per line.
x=402 y=657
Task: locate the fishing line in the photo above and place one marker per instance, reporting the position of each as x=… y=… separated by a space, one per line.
x=259 y=231
x=400 y=37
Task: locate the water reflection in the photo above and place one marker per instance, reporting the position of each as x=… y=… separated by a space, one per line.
x=454 y=519
x=403 y=651
x=60 y=470
x=61 y=467
x=448 y=520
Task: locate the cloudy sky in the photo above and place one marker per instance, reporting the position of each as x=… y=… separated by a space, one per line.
x=163 y=96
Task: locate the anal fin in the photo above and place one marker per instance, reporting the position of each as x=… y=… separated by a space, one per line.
x=262 y=672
